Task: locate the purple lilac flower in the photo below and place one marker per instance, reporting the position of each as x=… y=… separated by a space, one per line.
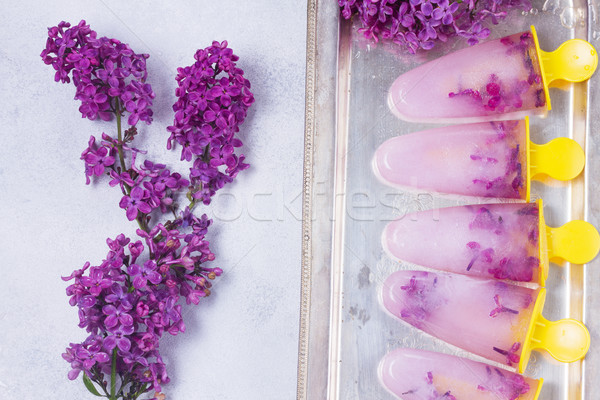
x=135 y=202
x=213 y=101
x=445 y=12
x=94 y=102
x=91 y=357
x=420 y=298
x=96 y=281
x=70 y=356
x=517 y=386
x=476 y=33
x=121 y=179
x=512 y=355
x=485 y=219
x=107 y=74
x=97 y=159
x=429 y=378
x=487 y=255
x=418 y=24
x=119 y=338
x=500 y=308
x=116 y=316
x=522 y=270
x=510 y=384
x=120 y=297
x=141 y=275
x=428 y=31
x=346 y=6
x=84 y=356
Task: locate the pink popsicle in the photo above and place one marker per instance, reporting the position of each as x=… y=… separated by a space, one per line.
x=494 y=240
x=498 y=79
x=413 y=374
x=486 y=317
x=486 y=159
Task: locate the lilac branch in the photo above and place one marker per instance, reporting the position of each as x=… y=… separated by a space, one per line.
x=128 y=301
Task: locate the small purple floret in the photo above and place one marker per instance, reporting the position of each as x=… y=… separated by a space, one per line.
x=512 y=356
x=500 y=308
x=485 y=219
x=419 y=298
x=429 y=378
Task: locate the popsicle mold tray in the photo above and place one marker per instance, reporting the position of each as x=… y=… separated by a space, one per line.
x=344 y=330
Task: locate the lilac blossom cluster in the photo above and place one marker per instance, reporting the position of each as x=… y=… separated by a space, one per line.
x=418 y=24
x=107 y=74
x=131 y=299
x=145 y=188
x=213 y=101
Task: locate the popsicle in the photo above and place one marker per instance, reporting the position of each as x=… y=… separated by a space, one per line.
x=502 y=241
x=487 y=159
x=505 y=78
x=496 y=320
x=412 y=374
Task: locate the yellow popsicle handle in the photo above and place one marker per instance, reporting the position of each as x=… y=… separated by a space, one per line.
x=561 y=159
x=566 y=340
x=574 y=61
x=539 y=389
x=543 y=244
x=576 y=241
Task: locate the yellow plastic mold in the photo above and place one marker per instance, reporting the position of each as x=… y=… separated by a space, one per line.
x=562 y=159
x=567 y=340
x=539 y=389
x=576 y=241
x=574 y=61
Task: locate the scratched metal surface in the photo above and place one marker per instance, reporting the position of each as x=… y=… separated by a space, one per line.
x=360 y=331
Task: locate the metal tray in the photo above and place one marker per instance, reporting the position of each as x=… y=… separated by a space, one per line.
x=344 y=331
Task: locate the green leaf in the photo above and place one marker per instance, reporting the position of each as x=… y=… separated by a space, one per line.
x=90 y=386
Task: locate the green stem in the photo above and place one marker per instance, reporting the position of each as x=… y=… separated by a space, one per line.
x=140 y=220
x=113 y=375
x=119 y=135
x=142 y=223
x=124 y=382
x=98 y=378
x=140 y=392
